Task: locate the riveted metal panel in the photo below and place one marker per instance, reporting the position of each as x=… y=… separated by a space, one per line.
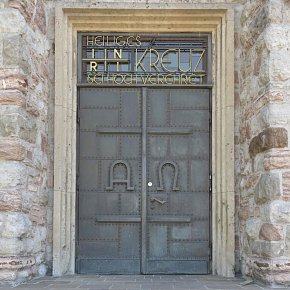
x=144 y=172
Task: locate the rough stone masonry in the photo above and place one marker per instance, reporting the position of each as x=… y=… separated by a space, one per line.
x=262 y=123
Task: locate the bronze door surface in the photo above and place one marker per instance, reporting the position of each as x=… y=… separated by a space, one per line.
x=143 y=181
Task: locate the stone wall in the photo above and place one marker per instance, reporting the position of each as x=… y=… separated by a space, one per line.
x=25 y=160
x=263 y=140
x=262 y=123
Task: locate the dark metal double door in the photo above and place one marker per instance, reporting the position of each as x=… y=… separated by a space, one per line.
x=143 y=181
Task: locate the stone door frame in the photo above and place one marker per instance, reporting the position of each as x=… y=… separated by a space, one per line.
x=215 y=19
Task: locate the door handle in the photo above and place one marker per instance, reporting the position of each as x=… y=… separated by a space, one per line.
x=153 y=199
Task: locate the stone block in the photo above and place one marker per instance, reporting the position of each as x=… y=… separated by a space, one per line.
x=268 y=188
x=286 y=183
x=11 y=50
x=272 y=249
x=279 y=212
x=12 y=98
x=15 y=225
x=268 y=139
x=25 y=7
x=11 y=21
x=278 y=70
x=14 y=122
x=10 y=201
x=13 y=79
x=11 y=149
x=253 y=227
x=269 y=232
x=277 y=159
x=287 y=241
x=13 y=174
x=40 y=16
x=16 y=262
x=15 y=247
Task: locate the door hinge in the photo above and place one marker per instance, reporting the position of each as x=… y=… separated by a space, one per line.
x=210 y=183
x=210 y=250
x=78 y=116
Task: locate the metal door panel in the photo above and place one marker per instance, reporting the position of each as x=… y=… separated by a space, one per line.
x=178 y=266
x=158 y=146
x=199 y=175
x=109 y=181
x=130 y=116
x=157 y=111
x=197 y=119
x=104 y=248
x=199 y=145
x=172 y=229
x=92 y=117
x=175 y=202
x=188 y=249
x=198 y=100
x=109 y=266
x=89 y=230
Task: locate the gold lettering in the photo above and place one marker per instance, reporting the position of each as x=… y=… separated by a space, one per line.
x=121 y=42
x=171 y=81
x=179 y=62
x=90 y=41
x=116 y=77
x=99 y=40
x=138 y=42
x=93 y=66
x=163 y=61
x=119 y=55
x=154 y=64
x=160 y=79
x=153 y=79
x=90 y=79
x=129 y=42
x=199 y=60
x=139 y=62
x=144 y=80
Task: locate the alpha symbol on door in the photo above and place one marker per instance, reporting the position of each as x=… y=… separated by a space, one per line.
x=111 y=175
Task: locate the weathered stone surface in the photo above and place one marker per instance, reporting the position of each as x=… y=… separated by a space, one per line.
x=14 y=225
x=253 y=227
x=269 y=232
x=287 y=240
x=277 y=159
x=10 y=201
x=13 y=79
x=13 y=174
x=268 y=188
x=16 y=262
x=26 y=8
x=40 y=17
x=14 y=122
x=279 y=212
x=272 y=249
x=12 y=98
x=11 y=149
x=8 y=18
x=268 y=139
x=286 y=183
x=11 y=50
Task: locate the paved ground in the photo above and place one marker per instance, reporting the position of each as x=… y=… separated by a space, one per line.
x=140 y=282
